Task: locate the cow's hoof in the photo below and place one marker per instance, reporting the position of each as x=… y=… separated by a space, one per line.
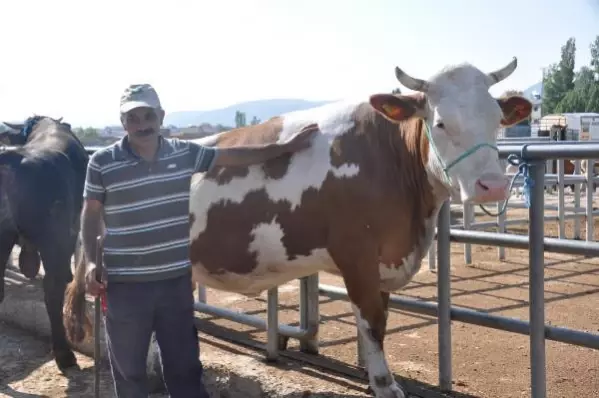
x=392 y=390
x=65 y=360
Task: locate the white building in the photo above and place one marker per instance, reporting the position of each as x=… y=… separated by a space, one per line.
x=537 y=101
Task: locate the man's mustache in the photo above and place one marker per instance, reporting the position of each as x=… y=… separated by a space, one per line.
x=145 y=132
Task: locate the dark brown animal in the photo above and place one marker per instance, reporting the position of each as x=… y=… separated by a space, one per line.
x=41 y=195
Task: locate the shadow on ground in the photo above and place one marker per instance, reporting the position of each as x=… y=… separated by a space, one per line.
x=316 y=367
x=27 y=364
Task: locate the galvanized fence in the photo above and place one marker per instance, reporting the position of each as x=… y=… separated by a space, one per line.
x=555 y=181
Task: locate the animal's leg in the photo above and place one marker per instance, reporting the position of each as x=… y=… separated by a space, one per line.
x=57 y=266
x=29 y=259
x=7 y=241
x=385 y=299
x=371 y=320
x=362 y=280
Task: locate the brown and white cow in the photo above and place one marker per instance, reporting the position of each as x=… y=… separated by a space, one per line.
x=361 y=202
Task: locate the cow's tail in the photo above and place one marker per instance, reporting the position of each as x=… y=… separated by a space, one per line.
x=75 y=317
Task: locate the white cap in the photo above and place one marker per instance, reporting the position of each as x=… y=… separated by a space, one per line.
x=138 y=96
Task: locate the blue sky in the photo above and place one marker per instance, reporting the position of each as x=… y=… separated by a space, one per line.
x=73 y=58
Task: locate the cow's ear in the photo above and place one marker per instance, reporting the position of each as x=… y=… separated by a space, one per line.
x=515 y=109
x=398 y=107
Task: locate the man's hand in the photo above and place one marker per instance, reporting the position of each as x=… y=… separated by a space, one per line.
x=302 y=139
x=92 y=286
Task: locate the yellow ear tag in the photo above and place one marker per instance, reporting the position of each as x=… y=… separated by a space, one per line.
x=392 y=111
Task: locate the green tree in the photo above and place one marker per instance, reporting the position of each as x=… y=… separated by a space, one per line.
x=584 y=78
x=559 y=78
x=255 y=121
x=592 y=104
x=220 y=127
x=86 y=133
x=579 y=99
x=573 y=101
x=595 y=55
x=239 y=119
x=568 y=91
x=565 y=77
x=396 y=91
x=551 y=92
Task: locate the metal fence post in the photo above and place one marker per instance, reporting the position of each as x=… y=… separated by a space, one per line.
x=468 y=216
x=272 y=325
x=577 y=201
x=561 y=203
x=309 y=312
x=444 y=296
x=590 y=184
x=536 y=236
x=201 y=293
x=501 y=219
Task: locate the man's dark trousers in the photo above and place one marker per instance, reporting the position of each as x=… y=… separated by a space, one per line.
x=134 y=310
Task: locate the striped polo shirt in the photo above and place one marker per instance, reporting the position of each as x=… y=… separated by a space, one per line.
x=146 y=207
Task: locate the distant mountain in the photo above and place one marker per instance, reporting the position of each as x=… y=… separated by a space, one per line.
x=262 y=109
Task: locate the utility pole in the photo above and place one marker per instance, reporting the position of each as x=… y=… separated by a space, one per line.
x=542 y=89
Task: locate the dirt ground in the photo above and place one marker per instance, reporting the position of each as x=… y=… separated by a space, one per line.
x=27 y=369
x=486 y=362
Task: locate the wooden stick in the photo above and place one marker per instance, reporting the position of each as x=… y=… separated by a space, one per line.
x=98 y=318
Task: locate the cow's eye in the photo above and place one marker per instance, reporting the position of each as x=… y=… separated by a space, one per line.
x=440 y=125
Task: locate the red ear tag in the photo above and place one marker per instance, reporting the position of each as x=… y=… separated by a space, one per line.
x=393 y=111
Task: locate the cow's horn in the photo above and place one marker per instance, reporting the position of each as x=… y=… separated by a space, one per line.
x=411 y=82
x=501 y=74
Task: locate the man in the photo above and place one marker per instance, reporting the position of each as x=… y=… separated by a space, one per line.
x=139 y=189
